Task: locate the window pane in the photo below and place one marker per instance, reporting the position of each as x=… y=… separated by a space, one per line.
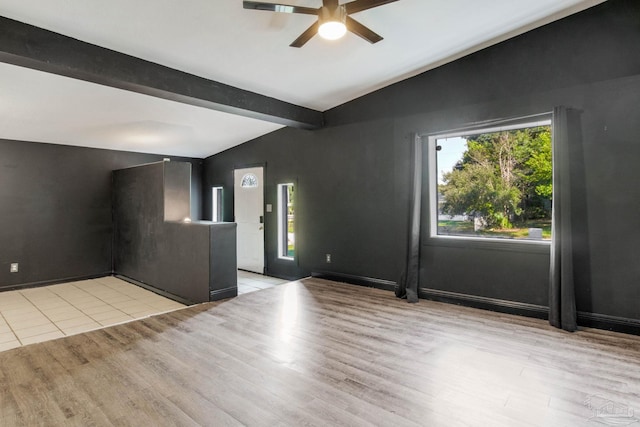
x=216 y=208
x=249 y=181
x=290 y=219
x=495 y=183
x=286 y=221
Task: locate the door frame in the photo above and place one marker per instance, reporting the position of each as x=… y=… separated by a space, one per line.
x=264 y=201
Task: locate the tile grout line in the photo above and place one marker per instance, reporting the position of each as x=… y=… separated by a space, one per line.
x=121 y=293
x=10 y=328
x=134 y=299
x=111 y=306
x=95 y=296
x=47 y=317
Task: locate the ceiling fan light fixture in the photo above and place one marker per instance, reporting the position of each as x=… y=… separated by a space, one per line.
x=332 y=23
x=332 y=30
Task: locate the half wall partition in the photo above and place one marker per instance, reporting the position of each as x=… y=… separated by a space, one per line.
x=158 y=245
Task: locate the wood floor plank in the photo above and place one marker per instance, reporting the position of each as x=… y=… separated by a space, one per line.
x=318 y=353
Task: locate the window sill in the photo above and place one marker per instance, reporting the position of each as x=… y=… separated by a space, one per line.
x=518 y=245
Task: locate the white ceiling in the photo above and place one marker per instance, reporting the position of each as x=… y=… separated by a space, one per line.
x=219 y=40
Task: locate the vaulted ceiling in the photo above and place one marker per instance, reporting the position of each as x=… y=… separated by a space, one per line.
x=226 y=75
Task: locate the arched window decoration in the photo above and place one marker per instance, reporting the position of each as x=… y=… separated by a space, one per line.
x=249 y=180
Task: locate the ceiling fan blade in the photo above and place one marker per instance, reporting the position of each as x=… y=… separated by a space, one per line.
x=360 y=30
x=284 y=8
x=360 y=5
x=306 y=36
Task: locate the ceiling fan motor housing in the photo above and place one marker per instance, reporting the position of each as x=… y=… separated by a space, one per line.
x=336 y=14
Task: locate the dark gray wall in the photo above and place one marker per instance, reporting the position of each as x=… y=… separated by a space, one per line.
x=55 y=209
x=153 y=245
x=342 y=177
x=354 y=176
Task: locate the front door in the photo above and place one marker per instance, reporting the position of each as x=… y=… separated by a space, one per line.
x=248 y=208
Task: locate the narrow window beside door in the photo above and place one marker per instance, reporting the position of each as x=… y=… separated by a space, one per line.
x=286 y=221
x=216 y=209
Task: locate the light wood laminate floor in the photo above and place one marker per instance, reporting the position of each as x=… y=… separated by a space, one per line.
x=316 y=352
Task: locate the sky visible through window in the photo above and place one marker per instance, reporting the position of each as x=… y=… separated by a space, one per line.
x=450 y=153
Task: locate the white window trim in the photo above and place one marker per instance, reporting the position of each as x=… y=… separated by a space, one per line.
x=282 y=222
x=214 y=204
x=433 y=182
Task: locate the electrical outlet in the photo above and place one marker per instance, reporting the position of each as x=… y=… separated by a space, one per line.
x=14 y=267
x=328 y=258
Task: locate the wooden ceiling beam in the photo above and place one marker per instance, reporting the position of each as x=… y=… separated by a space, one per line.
x=39 y=49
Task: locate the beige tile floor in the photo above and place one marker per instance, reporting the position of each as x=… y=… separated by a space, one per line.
x=34 y=315
x=39 y=314
x=251 y=282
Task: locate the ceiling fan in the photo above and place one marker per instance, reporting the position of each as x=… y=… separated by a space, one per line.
x=333 y=18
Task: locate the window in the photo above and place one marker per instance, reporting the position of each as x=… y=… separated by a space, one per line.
x=249 y=181
x=216 y=208
x=493 y=182
x=286 y=222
